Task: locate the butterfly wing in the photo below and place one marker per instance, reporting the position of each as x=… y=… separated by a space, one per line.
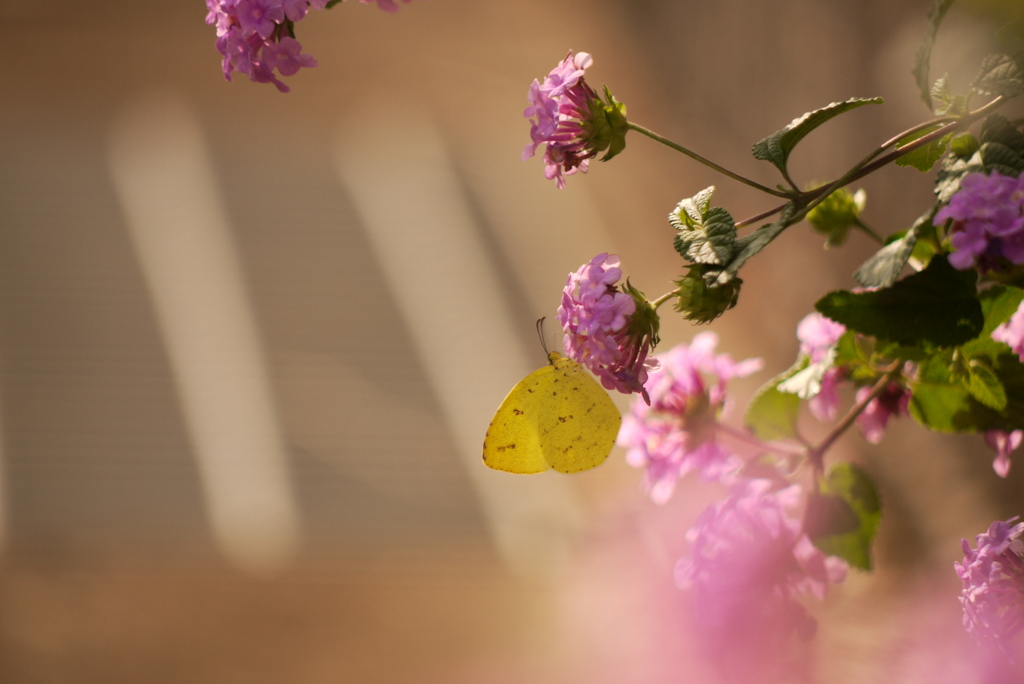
x=512 y=443
x=578 y=423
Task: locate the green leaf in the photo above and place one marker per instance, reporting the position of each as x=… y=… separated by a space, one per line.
x=984 y=386
x=777 y=146
x=843 y=514
x=944 y=101
x=964 y=144
x=938 y=306
x=772 y=414
x=704 y=234
x=923 y=158
x=997 y=129
x=882 y=269
x=947 y=404
x=1000 y=75
x=922 y=64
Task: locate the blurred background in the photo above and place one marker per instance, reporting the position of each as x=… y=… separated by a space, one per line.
x=250 y=342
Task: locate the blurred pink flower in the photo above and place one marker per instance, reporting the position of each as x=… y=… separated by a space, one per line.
x=1003 y=443
x=1012 y=332
x=817 y=335
x=750 y=564
x=676 y=433
x=893 y=401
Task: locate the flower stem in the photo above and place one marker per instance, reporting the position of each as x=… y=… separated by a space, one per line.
x=664 y=298
x=746 y=438
x=706 y=162
x=816 y=455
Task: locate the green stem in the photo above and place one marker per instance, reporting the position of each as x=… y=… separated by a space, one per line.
x=664 y=298
x=863 y=226
x=816 y=455
x=706 y=162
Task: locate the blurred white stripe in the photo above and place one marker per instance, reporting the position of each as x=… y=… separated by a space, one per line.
x=410 y=202
x=166 y=185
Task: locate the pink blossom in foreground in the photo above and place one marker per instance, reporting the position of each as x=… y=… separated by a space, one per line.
x=750 y=564
x=558 y=108
x=893 y=401
x=606 y=329
x=1003 y=443
x=1012 y=332
x=677 y=432
x=988 y=216
x=993 y=584
x=817 y=335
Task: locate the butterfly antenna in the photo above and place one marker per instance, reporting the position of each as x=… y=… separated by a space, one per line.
x=540 y=334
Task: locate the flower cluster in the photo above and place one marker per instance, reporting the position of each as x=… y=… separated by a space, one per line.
x=569 y=118
x=818 y=335
x=678 y=431
x=993 y=584
x=750 y=563
x=255 y=37
x=609 y=331
x=988 y=215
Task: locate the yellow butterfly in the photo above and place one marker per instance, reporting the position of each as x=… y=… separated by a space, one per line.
x=556 y=417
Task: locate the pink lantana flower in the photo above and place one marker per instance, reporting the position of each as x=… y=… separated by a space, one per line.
x=751 y=563
x=677 y=432
x=993 y=584
x=818 y=335
x=608 y=330
x=1012 y=332
x=570 y=119
x=893 y=401
x=1003 y=443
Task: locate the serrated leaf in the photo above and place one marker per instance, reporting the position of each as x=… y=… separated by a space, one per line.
x=772 y=414
x=984 y=386
x=1000 y=75
x=842 y=516
x=937 y=306
x=922 y=63
x=923 y=158
x=999 y=157
x=997 y=128
x=882 y=269
x=704 y=234
x=777 y=146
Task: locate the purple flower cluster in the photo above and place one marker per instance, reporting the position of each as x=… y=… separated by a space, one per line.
x=254 y=36
x=677 y=432
x=558 y=108
x=993 y=584
x=608 y=330
x=750 y=563
x=988 y=215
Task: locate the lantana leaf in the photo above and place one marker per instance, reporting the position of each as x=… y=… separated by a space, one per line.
x=771 y=413
x=843 y=514
x=777 y=146
x=939 y=306
x=882 y=269
x=922 y=63
x=923 y=158
x=704 y=234
x=1001 y=75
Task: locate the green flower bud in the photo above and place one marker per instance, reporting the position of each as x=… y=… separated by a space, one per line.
x=700 y=303
x=836 y=213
